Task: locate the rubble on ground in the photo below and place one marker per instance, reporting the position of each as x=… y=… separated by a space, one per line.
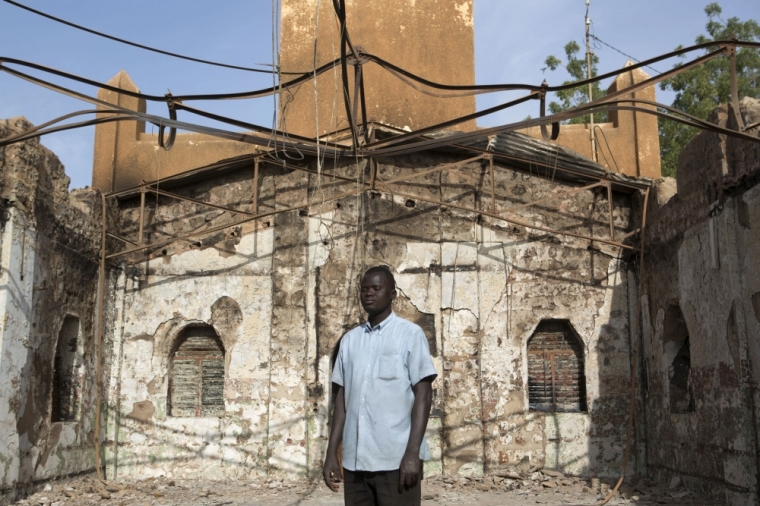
x=537 y=487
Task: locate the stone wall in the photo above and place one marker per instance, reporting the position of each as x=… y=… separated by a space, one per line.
x=281 y=291
x=702 y=280
x=49 y=257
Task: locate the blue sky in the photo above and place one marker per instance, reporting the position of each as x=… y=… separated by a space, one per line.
x=512 y=39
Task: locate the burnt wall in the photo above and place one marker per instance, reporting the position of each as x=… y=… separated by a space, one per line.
x=478 y=287
x=700 y=325
x=50 y=261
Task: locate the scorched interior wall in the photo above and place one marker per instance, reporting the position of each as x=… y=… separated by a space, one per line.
x=478 y=287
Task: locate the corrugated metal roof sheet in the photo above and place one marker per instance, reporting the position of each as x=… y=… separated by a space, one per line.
x=549 y=159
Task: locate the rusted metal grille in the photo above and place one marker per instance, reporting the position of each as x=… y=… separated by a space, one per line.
x=196 y=384
x=65 y=387
x=556 y=382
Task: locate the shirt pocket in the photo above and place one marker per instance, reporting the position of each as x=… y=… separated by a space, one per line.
x=389 y=367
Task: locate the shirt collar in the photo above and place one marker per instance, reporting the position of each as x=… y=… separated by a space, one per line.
x=381 y=325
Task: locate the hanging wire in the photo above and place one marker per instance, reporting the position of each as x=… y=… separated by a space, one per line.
x=597 y=39
x=148 y=48
x=277 y=97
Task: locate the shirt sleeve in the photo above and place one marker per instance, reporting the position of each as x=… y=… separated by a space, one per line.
x=337 y=374
x=420 y=363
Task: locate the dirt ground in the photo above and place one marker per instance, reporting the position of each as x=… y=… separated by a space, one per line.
x=512 y=490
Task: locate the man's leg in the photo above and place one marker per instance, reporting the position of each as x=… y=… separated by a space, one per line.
x=356 y=491
x=387 y=491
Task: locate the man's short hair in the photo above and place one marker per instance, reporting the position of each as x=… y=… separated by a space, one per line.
x=383 y=270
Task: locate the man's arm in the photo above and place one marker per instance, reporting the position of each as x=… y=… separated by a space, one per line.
x=331 y=470
x=409 y=470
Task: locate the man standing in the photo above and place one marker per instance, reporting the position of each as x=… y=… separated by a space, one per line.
x=383 y=374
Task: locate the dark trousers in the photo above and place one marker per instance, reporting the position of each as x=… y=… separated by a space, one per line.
x=367 y=488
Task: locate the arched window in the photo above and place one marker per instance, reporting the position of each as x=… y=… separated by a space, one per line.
x=556 y=381
x=196 y=380
x=678 y=361
x=65 y=395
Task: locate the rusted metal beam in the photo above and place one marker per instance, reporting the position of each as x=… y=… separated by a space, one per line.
x=198 y=202
x=513 y=220
x=493 y=195
x=439 y=168
x=612 y=218
x=372 y=161
x=630 y=234
x=365 y=186
x=122 y=239
x=634 y=353
x=735 y=88
x=363 y=101
x=185 y=173
x=493 y=185
x=556 y=196
x=505 y=156
x=256 y=187
x=142 y=216
x=229 y=225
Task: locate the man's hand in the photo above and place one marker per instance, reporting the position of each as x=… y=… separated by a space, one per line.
x=331 y=473
x=409 y=471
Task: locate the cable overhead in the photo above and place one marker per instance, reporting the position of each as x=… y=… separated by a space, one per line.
x=340 y=10
x=147 y=48
x=264 y=92
x=308 y=145
x=619 y=51
x=394 y=145
x=489 y=88
x=304 y=144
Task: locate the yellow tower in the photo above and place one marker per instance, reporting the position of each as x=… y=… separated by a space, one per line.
x=431 y=38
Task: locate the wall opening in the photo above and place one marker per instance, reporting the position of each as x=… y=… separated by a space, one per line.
x=556 y=379
x=66 y=388
x=678 y=361
x=196 y=378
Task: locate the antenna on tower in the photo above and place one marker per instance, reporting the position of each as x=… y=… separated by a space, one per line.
x=590 y=85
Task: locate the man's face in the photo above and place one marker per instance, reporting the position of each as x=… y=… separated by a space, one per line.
x=376 y=292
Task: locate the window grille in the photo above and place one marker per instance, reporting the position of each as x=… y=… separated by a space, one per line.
x=196 y=381
x=556 y=381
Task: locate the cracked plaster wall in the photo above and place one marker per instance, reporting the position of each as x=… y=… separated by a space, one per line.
x=50 y=241
x=478 y=288
x=706 y=264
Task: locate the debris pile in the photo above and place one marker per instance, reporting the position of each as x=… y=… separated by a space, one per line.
x=537 y=487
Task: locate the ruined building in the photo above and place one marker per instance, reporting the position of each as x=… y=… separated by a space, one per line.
x=232 y=273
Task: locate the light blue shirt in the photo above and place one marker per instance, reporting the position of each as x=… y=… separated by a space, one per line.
x=377 y=367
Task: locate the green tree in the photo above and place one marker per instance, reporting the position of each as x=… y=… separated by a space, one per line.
x=573 y=97
x=700 y=89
